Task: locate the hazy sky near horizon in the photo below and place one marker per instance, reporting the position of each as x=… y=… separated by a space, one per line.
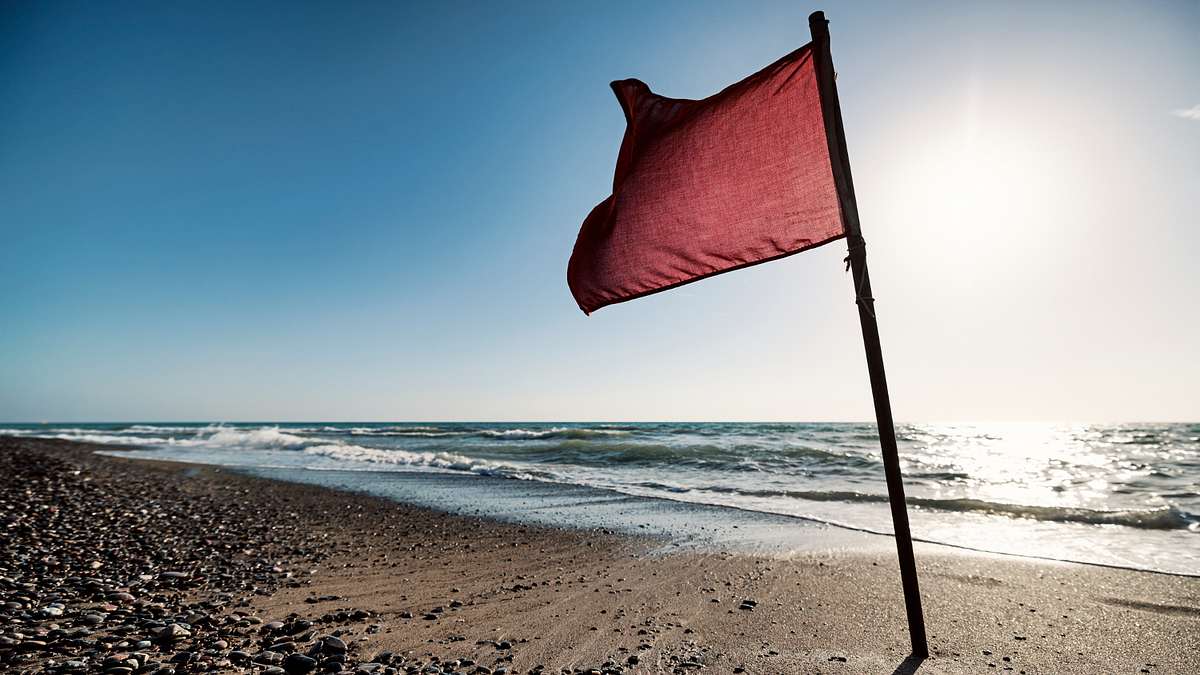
x=363 y=211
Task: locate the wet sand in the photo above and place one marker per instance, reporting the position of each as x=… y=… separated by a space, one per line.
x=122 y=566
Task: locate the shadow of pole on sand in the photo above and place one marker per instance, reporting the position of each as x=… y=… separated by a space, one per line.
x=909 y=665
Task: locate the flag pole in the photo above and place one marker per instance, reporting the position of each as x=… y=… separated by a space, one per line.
x=857 y=258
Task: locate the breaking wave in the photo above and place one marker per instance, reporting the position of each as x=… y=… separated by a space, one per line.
x=436 y=460
x=553 y=432
x=82 y=436
x=1165 y=518
x=417 y=432
x=267 y=438
x=424 y=431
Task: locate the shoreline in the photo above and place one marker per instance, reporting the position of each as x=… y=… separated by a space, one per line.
x=585 y=600
x=1056 y=508
x=674 y=520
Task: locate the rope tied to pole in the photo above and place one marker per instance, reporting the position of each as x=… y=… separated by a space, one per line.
x=854 y=245
x=857 y=246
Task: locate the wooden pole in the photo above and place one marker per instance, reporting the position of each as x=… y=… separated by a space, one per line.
x=836 y=136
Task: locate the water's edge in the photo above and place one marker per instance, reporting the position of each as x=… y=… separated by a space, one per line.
x=1125 y=496
x=681 y=525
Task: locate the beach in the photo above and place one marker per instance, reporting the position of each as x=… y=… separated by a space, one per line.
x=129 y=566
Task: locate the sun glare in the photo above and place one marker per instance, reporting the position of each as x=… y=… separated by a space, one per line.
x=977 y=189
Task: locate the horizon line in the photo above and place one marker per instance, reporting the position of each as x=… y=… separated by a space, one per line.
x=583 y=421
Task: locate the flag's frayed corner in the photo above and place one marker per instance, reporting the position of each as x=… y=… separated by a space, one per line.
x=1192 y=113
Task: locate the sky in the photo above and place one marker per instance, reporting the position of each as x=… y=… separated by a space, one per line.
x=364 y=211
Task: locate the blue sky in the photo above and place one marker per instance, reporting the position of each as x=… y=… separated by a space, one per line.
x=363 y=211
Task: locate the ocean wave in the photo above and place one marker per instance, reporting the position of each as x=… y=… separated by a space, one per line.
x=159 y=429
x=417 y=432
x=17 y=432
x=90 y=436
x=1164 y=518
x=710 y=456
x=678 y=489
x=262 y=438
x=64 y=432
x=577 y=433
x=938 y=476
x=516 y=433
x=410 y=434
x=1137 y=439
x=437 y=460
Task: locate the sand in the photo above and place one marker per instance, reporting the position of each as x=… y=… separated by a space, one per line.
x=510 y=598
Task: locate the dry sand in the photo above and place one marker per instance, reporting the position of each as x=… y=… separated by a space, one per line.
x=510 y=598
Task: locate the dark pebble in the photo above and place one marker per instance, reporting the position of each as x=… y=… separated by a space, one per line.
x=298 y=664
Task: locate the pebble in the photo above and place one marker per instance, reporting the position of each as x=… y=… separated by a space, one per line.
x=173 y=632
x=168 y=571
x=298 y=664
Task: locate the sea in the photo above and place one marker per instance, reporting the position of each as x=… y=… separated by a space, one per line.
x=1123 y=495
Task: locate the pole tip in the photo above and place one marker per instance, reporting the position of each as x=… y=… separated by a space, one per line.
x=819 y=27
x=818 y=24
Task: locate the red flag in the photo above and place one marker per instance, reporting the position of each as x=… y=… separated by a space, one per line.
x=709 y=186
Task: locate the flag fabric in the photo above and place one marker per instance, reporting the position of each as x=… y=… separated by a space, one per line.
x=709 y=186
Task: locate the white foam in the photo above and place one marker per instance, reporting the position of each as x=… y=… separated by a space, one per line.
x=422 y=432
x=104 y=439
x=436 y=460
x=156 y=429
x=66 y=433
x=553 y=432
x=264 y=438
